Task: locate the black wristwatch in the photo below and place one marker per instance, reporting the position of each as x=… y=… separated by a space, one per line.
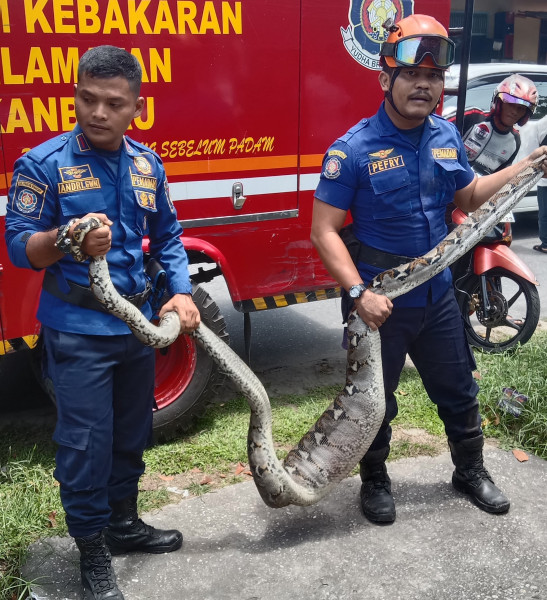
x=63 y=241
x=355 y=291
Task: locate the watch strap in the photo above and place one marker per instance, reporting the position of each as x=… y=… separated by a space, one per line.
x=63 y=241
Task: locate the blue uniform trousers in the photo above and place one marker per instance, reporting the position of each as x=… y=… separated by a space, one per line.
x=434 y=338
x=104 y=387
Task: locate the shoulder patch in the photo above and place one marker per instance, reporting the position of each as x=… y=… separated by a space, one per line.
x=332 y=168
x=337 y=153
x=29 y=196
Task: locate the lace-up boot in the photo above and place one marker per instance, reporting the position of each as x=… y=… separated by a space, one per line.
x=127 y=533
x=471 y=477
x=98 y=576
x=376 y=499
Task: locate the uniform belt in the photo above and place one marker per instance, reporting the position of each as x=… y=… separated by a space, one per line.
x=84 y=297
x=379 y=258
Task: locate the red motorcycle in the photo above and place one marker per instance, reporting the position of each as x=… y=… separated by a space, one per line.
x=496 y=292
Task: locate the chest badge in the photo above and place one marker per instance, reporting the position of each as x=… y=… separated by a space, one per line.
x=381 y=154
x=142 y=165
x=146 y=199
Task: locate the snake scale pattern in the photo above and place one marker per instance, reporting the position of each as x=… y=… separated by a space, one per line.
x=343 y=433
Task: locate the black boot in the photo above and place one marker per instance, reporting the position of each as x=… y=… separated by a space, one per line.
x=127 y=533
x=470 y=476
x=376 y=499
x=98 y=576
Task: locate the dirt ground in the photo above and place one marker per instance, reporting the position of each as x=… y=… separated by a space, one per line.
x=197 y=482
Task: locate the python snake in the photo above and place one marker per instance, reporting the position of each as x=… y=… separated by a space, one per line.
x=343 y=433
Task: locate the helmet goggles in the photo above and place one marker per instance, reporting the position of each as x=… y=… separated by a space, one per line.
x=509 y=99
x=412 y=50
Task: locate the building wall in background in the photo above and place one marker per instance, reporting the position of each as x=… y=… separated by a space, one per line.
x=501 y=32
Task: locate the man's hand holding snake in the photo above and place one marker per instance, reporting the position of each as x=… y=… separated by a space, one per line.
x=373 y=308
x=185 y=308
x=97 y=242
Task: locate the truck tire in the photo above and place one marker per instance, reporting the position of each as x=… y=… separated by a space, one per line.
x=187 y=378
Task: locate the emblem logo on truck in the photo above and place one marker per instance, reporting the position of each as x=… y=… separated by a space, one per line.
x=365 y=34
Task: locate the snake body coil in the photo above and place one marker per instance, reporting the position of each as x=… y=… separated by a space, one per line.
x=343 y=433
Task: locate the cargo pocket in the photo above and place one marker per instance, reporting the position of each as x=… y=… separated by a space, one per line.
x=82 y=203
x=391 y=194
x=74 y=457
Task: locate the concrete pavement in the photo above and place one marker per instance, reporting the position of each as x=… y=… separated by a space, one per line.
x=441 y=546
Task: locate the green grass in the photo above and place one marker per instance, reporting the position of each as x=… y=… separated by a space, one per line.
x=220 y=438
x=29 y=496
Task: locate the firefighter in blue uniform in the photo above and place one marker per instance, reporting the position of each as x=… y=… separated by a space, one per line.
x=395 y=173
x=103 y=376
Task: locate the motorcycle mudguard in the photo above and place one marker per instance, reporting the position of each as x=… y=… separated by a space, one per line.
x=500 y=256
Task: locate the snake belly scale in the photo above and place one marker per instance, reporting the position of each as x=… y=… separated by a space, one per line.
x=343 y=433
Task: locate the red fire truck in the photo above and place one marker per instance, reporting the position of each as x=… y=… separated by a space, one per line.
x=242 y=99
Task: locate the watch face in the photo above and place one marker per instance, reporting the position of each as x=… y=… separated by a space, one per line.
x=356 y=290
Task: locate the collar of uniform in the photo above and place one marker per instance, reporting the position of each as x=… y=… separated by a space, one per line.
x=129 y=149
x=80 y=145
x=387 y=128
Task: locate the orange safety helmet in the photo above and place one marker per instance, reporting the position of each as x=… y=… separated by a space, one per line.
x=516 y=89
x=417 y=40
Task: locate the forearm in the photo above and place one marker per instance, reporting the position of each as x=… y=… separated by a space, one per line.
x=326 y=223
x=335 y=256
x=483 y=188
x=41 y=250
x=487 y=186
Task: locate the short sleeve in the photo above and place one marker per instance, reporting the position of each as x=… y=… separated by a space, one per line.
x=339 y=177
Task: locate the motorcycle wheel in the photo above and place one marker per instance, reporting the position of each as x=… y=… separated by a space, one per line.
x=513 y=315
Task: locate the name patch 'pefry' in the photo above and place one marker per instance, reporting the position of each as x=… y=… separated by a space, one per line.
x=386 y=164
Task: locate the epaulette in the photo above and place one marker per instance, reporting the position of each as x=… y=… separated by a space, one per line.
x=132 y=145
x=355 y=129
x=361 y=125
x=49 y=147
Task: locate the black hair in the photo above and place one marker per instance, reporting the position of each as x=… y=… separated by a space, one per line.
x=105 y=62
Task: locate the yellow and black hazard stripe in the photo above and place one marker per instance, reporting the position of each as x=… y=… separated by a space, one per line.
x=27 y=342
x=268 y=302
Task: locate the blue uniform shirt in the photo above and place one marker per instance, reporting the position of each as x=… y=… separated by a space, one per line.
x=65 y=178
x=397 y=192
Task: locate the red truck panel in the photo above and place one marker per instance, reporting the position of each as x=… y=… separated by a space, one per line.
x=237 y=91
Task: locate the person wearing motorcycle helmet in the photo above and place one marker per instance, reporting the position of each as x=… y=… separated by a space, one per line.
x=396 y=172
x=514 y=91
x=490 y=139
